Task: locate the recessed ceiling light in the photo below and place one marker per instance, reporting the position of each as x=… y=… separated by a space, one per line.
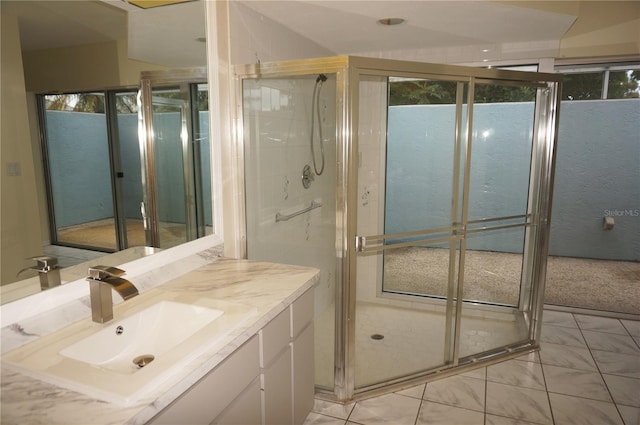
x=391 y=21
x=486 y=50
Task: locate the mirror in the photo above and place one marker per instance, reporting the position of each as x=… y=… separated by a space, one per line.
x=107 y=44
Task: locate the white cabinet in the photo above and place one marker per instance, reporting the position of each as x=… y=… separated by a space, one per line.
x=245 y=409
x=277 y=373
x=303 y=375
x=277 y=390
x=209 y=398
x=267 y=381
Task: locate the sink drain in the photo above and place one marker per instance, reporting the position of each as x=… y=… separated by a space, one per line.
x=377 y=337
x=142 y=361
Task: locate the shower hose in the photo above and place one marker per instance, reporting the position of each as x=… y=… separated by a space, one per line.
x=315 y=109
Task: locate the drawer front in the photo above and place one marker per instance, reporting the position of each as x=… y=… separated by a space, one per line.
x=302 y=312
x=303 y=375
x=274 y=337
x=278 y=393
x=246 y=409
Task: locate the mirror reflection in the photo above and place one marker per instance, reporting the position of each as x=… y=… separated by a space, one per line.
x=77 y=186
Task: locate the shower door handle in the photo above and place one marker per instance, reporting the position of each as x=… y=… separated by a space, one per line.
x=361 y=243
x=145 y=220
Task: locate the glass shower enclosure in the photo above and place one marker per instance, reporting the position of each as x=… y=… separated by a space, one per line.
x=422 y=192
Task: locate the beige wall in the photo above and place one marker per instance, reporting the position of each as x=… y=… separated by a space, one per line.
x=87 y=67
x=20 y=223
x=603 y=28
x=129 y=70
x=72 y=68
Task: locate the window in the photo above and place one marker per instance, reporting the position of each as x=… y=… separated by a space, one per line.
x=427 y=92
x=601 y=82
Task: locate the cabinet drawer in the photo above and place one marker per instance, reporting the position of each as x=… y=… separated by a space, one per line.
x=246 y=409
x=303 y=375
x=274 y=337
x=278 y=393
x=301 y=313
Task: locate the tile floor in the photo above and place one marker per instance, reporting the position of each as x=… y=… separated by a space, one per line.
x=586 y=373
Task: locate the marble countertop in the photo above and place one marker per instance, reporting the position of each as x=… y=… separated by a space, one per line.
x=268 y=287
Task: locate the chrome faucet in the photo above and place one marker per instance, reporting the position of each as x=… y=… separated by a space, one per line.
x=48 y=271
x=101 y=280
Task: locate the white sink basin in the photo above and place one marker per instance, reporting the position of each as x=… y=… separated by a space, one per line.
x=153 y=339
x=142 y=336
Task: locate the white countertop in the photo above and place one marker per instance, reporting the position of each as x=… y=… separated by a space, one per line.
x=270 y=288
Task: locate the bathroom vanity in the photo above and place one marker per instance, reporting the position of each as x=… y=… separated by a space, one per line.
x=258 y=371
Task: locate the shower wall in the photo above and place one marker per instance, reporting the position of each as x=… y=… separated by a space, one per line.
x=277 y=124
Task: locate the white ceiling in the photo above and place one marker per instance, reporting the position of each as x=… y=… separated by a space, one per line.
x=167 y=34
x=350 y=27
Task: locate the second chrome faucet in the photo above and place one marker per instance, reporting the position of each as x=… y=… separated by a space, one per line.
x=102 y=280
x=48 y=270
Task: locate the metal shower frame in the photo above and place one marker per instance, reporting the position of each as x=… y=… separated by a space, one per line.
x=348 y=70
x=193 y=213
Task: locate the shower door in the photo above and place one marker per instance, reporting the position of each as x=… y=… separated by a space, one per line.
x=399 y=177
x=445 y=211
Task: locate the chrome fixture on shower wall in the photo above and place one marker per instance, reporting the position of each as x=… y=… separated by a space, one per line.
x=315 y=107
x=307 y=176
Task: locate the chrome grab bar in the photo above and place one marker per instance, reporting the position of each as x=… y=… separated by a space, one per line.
x=284 y=217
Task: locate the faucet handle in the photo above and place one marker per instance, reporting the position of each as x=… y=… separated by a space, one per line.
x=103 y=272
x=45 y=262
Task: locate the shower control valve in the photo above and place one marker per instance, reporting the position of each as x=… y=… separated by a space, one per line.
x=307 y=176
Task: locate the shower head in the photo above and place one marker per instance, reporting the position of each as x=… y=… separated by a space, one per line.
x=322 y=78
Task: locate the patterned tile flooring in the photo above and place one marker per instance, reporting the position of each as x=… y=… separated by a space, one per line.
x=586 y=373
